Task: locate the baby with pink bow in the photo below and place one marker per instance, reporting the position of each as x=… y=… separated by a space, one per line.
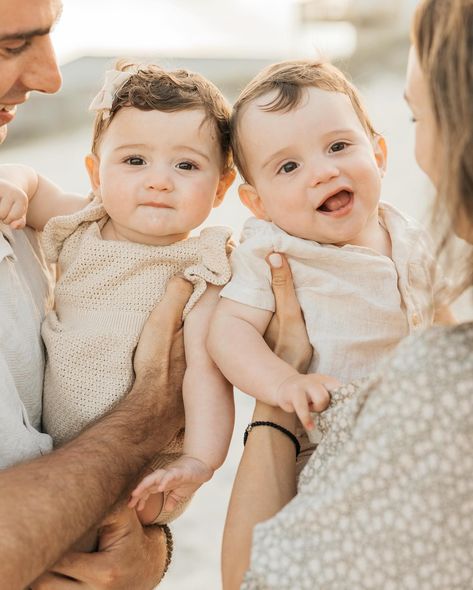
x=160 y=161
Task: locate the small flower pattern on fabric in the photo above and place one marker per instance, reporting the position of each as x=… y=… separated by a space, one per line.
x=386 y=501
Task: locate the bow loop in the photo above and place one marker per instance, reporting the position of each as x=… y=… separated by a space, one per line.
x=114 y=80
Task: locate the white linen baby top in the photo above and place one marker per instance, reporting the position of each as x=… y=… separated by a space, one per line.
x=104 y=294
x=357 y=304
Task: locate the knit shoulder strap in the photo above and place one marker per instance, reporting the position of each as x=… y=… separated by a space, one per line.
x=58 y=229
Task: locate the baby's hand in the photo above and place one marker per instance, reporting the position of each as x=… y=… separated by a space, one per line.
x=304 y=394
x=13 y=205
x=181 y=479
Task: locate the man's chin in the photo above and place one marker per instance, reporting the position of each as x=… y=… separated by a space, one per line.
x=3 y=133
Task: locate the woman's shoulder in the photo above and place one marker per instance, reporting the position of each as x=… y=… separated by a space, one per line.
x=436 y=344
x=436 y=364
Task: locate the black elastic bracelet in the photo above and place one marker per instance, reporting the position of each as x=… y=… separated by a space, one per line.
x=169 y=548
x=285 y=431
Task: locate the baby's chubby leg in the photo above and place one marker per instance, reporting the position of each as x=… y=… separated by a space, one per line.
x=180 y=479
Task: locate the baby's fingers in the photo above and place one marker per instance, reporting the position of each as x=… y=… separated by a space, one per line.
x=19 y=223
x=171 y=478
x=13 y=208
x=319 y=397
x=149 y=484
x=301 y=408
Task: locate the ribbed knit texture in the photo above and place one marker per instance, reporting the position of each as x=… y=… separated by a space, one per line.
x=103 y=297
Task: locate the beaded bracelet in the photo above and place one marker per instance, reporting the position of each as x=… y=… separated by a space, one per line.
x=285 y=431
x=169 y=548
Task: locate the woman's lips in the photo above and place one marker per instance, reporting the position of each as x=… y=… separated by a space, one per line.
x=337 y=205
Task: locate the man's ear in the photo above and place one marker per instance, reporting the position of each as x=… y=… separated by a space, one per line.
x=380 y=153
x=250 y=198
x=92 y=163
x=224 y=184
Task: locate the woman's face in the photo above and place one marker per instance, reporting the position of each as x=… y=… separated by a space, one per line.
x=427 y=144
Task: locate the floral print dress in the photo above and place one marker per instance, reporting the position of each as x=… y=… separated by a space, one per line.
x=386 y=501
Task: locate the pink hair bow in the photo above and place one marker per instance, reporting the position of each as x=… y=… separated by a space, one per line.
x=114 y=80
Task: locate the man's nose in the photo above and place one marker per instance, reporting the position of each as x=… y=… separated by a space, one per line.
x=41 y=70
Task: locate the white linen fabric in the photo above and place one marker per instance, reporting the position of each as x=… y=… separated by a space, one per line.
x=25 y=296
x=357 y=304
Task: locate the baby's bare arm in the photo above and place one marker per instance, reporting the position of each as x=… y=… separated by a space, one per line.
x=45 y=199
x=237 y=346
x=208 y=396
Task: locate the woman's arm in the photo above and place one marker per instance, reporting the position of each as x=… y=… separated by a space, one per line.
x=264 y=483
x=266 y=477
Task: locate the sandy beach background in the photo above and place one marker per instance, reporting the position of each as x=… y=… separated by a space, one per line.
x=59 y=154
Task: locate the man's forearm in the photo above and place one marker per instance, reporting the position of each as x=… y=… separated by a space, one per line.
x=50 y=502
x=265 y=482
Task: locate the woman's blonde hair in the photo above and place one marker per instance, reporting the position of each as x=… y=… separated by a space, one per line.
x=442 y=34
x=153 y=88
x=289 y=79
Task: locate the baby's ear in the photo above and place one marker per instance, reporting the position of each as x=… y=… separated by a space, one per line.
x=92 y=163
x=380 y=153
x=224 y=184
x=250 y=198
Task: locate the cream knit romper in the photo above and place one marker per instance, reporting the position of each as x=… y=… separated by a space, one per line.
x=104 y=294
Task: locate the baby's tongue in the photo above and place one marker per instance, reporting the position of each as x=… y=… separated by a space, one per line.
x=335 y=202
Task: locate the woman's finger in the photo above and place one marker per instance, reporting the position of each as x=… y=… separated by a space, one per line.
x=283 y=285
x=286 y=334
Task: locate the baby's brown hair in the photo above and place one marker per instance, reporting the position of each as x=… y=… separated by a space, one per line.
x=150 y=87
x=289 y=79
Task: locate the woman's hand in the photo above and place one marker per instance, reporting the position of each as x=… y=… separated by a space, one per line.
x=286 y=334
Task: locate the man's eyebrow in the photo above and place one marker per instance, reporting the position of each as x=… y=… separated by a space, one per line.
x=23 y=35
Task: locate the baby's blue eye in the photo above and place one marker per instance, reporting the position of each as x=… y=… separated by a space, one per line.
x=135 y=161
x=339 y=146
x=288 y=167
x=186 y=166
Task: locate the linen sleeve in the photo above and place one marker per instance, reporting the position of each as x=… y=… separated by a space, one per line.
x=251 y=277
x=19 y=440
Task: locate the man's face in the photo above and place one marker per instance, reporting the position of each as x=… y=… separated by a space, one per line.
x=27 y=60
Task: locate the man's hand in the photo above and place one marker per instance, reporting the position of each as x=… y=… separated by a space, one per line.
x=129 y=556
x=13 y=205
x=159 y=360
x=286 y=334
